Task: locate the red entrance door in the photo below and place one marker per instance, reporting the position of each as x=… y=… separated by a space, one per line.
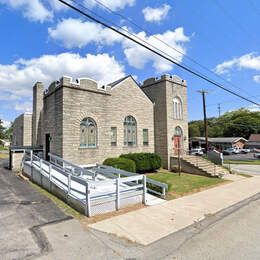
x=177 y=144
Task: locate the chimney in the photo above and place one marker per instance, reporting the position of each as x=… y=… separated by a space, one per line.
x=38 y=89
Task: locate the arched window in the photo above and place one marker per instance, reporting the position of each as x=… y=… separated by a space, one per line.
x=177 y=108
x=177 y=131
x=88 y=133
x=130 y=131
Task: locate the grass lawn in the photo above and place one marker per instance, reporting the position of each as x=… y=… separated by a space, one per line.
x=4 y=155
x=245 y=175
x=252 y=162
x=185 y=184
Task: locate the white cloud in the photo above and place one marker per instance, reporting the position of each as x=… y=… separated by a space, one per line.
x=72 y=33
x=16 y=80
x=257 y=78
x=156 y=14
x=23 y=107
x=57 y=6
x=34 y=10
x=76 y=33
x=254 y=108
x=6 y=124
x=247 y=61
x=113 y=5
x=137 y=56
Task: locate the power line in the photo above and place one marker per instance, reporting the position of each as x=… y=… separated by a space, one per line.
x=235 y=22
x=227 y=101
x=219 y=110
x=203 y=93
x=147 y=43
x=157 y=53
x=168 y=45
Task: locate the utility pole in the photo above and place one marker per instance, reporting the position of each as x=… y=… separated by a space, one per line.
x=219 y=110
x=203 y=92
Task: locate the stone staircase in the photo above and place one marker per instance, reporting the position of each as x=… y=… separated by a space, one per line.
x=206 y=167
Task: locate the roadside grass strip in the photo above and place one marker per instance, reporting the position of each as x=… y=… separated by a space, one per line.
x=185 y=184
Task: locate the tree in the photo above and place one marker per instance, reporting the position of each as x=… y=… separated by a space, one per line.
x=238 y=123
x=2 y=130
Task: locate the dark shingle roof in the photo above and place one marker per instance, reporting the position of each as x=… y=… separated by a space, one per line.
x=118 y=81
x=254 y=138
x=220 y=139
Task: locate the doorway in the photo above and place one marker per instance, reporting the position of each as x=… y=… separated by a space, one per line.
x=177 y=141
x=47 y=146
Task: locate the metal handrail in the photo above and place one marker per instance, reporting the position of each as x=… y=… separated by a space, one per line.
x=41 y=166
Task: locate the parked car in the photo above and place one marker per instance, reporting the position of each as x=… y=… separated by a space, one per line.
x=229 y=151
x=245 y=150
x=196 y=151
x=257 y=155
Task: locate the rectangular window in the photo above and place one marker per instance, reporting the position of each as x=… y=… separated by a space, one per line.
x=145 y=137
x=113 y=136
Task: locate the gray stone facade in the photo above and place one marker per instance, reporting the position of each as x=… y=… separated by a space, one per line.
x=68 y=103
x=22 y=130
x=162 y=92
x=58 y=114
x=38 y=89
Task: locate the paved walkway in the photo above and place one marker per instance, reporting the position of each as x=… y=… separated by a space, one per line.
x=246 y=168
x=150 y=224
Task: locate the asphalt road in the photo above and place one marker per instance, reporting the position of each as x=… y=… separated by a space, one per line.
x=26 y=233
x=22 y=212
x=235 y=237
x=244 y=168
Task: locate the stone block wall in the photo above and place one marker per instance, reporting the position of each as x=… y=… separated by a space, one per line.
x=176 y=87
x=162 y=91
x=52 y=119
x=156 y=91
x=37 y=114
x=22 y=130
x=108 y=108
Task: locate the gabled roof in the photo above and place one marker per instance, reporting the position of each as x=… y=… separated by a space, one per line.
x=254 y=138
x=113 y=84
x=221 y=139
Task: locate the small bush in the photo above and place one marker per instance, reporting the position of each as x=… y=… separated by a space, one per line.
x=145 y=162
x=121 y=163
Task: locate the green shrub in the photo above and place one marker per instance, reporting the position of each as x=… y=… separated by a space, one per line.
x=145 y=162
x=121 y=163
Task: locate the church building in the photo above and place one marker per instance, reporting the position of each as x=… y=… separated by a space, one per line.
x=85 y=123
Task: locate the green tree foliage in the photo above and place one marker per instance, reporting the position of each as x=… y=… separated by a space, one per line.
x=242 y=122
x=2 y=130
x=9 y=132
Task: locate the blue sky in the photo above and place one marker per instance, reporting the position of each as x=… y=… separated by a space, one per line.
x=41 y=41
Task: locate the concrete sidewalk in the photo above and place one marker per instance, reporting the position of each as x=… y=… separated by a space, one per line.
x=150 y=224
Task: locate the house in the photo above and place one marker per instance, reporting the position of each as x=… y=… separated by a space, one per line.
x=85 y=123
x=219 y=143
x=253 y=141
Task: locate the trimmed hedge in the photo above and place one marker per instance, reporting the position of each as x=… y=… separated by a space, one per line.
x=145 y=162
x=121 y=163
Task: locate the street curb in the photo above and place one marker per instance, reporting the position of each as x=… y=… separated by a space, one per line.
x=180 y=237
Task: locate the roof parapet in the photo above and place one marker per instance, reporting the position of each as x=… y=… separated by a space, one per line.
x=172 y=78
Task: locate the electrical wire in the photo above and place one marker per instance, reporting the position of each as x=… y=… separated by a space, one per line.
x=156 y=52
x=168 y=45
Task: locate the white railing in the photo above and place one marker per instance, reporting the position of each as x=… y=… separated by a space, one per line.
x=87 y=192
x=154 y=187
